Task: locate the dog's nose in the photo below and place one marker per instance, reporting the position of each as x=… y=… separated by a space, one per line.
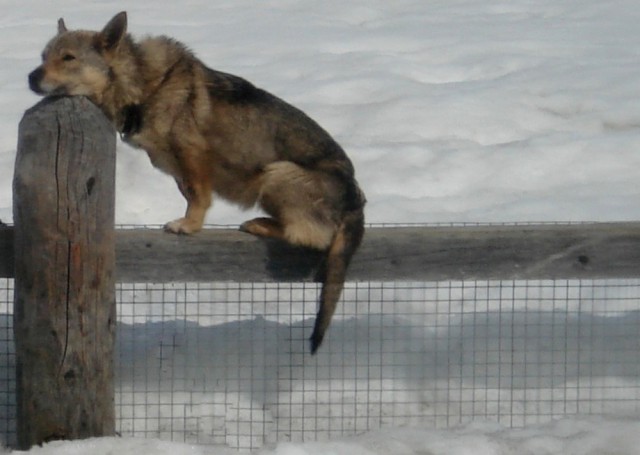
x=35 y=77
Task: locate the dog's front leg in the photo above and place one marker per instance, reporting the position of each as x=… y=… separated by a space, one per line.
x=198 y=198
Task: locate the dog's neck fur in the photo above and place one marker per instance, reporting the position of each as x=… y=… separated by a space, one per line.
x=126 y=87
x=129 y=88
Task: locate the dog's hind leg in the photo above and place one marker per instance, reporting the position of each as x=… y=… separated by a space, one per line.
x=300 y=205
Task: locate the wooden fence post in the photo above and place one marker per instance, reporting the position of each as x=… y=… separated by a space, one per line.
x=64 y=305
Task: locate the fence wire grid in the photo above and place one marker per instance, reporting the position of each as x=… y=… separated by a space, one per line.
x=228 y=363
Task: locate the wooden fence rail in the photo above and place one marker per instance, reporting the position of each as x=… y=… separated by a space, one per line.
x=601 y=250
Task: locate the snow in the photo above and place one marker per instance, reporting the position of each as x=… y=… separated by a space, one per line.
x=576 y=436
x=452 y=111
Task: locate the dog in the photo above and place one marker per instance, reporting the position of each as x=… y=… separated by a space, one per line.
x=216 y=133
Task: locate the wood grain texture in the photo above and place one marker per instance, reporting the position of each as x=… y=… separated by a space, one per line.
x=603 y=250
x=608 y=250
x=64 y=305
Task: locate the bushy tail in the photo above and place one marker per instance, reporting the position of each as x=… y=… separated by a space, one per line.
x=344 y=245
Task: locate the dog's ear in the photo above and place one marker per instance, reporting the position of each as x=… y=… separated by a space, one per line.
x=61 y=26
x=114 y=31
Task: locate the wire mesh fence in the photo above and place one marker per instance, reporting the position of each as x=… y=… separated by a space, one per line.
x=7 y=365
x=228 y=363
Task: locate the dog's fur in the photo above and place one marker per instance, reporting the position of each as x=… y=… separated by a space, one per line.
x=217 y=133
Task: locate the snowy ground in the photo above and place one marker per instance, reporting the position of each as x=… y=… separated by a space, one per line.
x=452 y=110
x=579 y=437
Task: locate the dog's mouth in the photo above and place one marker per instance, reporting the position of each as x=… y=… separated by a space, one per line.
x=38 y=86
x=35 y=81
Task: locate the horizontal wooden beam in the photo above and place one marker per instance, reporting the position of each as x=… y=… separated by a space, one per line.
x=602 y=250
x=6 y=251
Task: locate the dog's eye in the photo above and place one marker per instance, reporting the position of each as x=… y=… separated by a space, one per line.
x=68 y=57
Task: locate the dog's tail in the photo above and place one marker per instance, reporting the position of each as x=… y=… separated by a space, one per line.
x=334 y=270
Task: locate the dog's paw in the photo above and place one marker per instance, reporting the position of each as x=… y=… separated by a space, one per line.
x=182 y=226
x=263 y=227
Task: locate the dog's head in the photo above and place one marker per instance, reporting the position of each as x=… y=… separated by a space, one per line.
x=78 y=62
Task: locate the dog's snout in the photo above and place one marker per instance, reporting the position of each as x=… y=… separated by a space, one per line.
x=35 y=78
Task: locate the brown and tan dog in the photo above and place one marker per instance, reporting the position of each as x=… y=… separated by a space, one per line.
x=217 y=133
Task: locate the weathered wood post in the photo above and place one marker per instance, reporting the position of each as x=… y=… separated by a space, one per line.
x=64 y=306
